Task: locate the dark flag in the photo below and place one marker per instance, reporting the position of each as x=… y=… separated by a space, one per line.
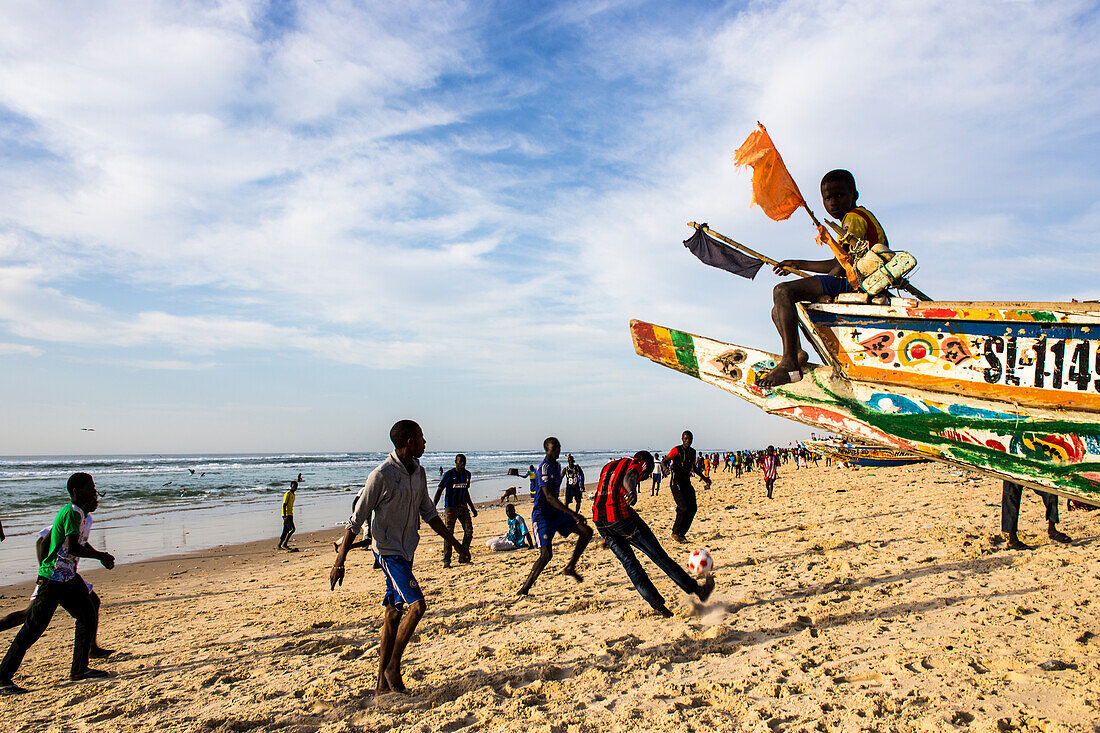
x=716 y=254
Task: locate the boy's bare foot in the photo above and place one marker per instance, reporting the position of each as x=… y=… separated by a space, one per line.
x=1058 y=536
x=663 y=610
x=706 y=589
x=98 y=652
x=572 y=573
x=393 y=680
x=679 y=538
x=382 y=687
x=785 y=372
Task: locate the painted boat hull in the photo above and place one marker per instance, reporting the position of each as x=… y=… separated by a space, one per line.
x=1036 y=438
x=867 y=455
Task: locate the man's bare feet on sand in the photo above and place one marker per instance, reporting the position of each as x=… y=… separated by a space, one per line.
x=572 y=573
x=394 y=682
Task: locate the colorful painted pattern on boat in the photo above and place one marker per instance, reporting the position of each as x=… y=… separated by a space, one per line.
x=1040 y=358
x=1056 y=447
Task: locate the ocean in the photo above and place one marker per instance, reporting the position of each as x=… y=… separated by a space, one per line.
x=156 y=505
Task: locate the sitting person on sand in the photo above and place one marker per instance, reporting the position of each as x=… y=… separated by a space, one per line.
x=839 y=195
x=517 y=537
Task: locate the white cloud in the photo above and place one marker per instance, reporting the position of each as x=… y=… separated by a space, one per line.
x=7 y=349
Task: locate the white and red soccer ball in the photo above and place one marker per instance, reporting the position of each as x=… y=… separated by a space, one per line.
x=700 y=563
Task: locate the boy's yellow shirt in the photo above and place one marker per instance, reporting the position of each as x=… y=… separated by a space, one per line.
x=288 y=504
x=863 y=224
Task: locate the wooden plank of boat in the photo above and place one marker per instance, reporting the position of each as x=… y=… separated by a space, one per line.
x=1036 y=355
x=1051 y=449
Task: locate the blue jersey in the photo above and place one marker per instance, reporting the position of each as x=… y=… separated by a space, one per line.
x=456 y=488
x=547 y=475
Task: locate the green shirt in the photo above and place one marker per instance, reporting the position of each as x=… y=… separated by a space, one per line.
x=59 y=564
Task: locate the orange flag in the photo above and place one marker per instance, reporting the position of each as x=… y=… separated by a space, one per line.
x=773 y=189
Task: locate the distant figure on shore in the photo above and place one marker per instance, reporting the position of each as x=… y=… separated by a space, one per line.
x=288 y=517
x=770 y=464
x=574 y=483
x=658 y=474
x=1011 y=494
x=2 y=535
x=531 y=475
x=622 y=528
x=549 y=517
x=839 y=195
x=517 y=537
x=680 y=461
x=395 y=499
x=60 y=585
x=457 y=504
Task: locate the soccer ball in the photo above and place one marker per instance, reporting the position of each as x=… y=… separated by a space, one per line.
x=700 y=563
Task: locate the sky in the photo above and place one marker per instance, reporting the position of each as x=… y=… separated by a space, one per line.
x=281 y=226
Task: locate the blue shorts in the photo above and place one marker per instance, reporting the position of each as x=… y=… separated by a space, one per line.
x=544 y=526
x=833 y=285
x=401 y=586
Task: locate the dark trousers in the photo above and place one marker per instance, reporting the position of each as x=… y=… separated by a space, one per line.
x=1011 y=494
x=573 y=495
x=288 y=529
x=461 y=514
x=71 y=595
x=633 y=532
x=686 y=506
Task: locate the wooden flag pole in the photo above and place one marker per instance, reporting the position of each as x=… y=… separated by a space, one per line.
x=743 y=248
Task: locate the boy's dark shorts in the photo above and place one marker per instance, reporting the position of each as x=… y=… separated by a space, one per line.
x=832 y=285
x=401 y=585
x=545 y=526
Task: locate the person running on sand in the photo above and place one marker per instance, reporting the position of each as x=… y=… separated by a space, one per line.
x=42 y=548
x=395 y=499
x=549 y=517
x=288 y=517
x=839 y=195
x=59 y=585
x=681 y=463
x=457 y=504
x=622 y=529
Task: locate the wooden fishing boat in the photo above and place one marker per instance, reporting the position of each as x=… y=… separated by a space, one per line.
x=865 y=454
x=1008 y=389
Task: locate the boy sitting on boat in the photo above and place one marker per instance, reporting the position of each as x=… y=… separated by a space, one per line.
x=839 y=195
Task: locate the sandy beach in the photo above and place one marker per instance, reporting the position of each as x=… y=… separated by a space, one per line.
x=870 y=599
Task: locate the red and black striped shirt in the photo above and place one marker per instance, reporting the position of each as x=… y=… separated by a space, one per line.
x=613 y=498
